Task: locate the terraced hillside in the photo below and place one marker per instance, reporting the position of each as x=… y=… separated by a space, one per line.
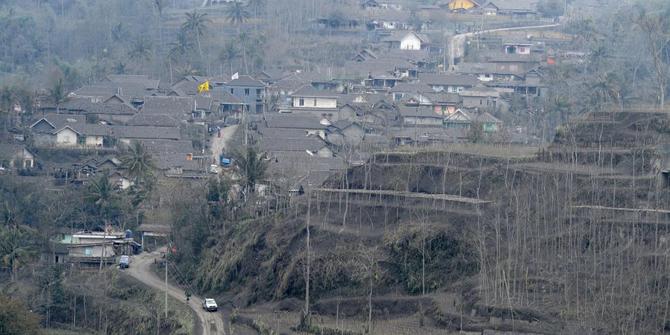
x=571 y=238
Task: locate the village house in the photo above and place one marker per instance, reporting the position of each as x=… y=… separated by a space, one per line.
x=133 y=89
x=511 y=62
x=443 y=103
x=423 y=136
x=113 y=109
x=311 y=123
x=345 y=133
x=249 y=90
x=126 y=134
x=421 y=116
x=460 y=5
x=448 y=82
x=480 y=96
x=16 y=156
x=405 y=90
x=515 y=8
x=462 y=119
x=90 y=248
x=517 y=47
x=310 y=98
x=65 y=130
x=487 y=72
x=287 y=141
x=179 y=108
x=407 y=41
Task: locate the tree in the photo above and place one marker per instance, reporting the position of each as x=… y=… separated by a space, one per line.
x=15 y=319
x=102 y=197
x=257 y=6
x=140 y=50
x=655 y=27
x=237 y=14
x=179 y=48
x=120 y=68
x=138 y=162
x=17 y=247
x=57 y=94
x=196 y=25
x=228 y=54
x=251 y=167
x=551 y=8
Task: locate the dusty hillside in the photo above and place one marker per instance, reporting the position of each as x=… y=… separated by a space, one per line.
x=554 y=242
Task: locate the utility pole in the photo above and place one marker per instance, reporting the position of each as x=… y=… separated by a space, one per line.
x=307 y=223
x=166 y=285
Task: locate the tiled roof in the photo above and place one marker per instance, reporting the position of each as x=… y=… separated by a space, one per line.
x=299 y=121
x=447 y=79
x=142 y=132
x=245 y=80
x=155 y=120
x=174 y=106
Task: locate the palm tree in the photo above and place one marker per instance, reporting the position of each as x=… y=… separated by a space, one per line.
x=196 y=25
x=187 y=70
x=160 y=6
x=257 y=6
x=178 y=49
x=16 y=247
x=138 y=162
x=140 y=49
x=102 y=199
x=120 y=68
x=251 y=166
x=237 y=14
x=57 y=94
x=228 y=55
x=243 y=39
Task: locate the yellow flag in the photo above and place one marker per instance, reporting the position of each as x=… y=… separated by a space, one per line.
x=204 y=87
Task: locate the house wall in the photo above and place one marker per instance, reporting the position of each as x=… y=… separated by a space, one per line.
x=253 y=100
x=94 y=141
x=449 y=88
x=444 y=110
x=42 y=140
x=66 y=138
x=325 y=152
x=27 y=160
x=490 y=127
x=480 y=102
x=329 y=103
x=422 y=121
x=485 y=77
x=91 y=251
x=410 y=42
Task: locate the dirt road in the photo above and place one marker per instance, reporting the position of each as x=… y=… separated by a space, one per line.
x=220 y=144
x=140 y=268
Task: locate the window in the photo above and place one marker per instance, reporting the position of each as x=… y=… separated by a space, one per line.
x=246 y=91
x=301 y=102
x=480 y=101
x=258 y=91
x=232 y=91
x=314 y=102
x=88 y=251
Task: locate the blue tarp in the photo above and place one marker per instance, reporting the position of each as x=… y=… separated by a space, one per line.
x=224 y=161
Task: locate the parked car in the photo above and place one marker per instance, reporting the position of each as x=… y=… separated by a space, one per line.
x=124 y=262
x=210 y=305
